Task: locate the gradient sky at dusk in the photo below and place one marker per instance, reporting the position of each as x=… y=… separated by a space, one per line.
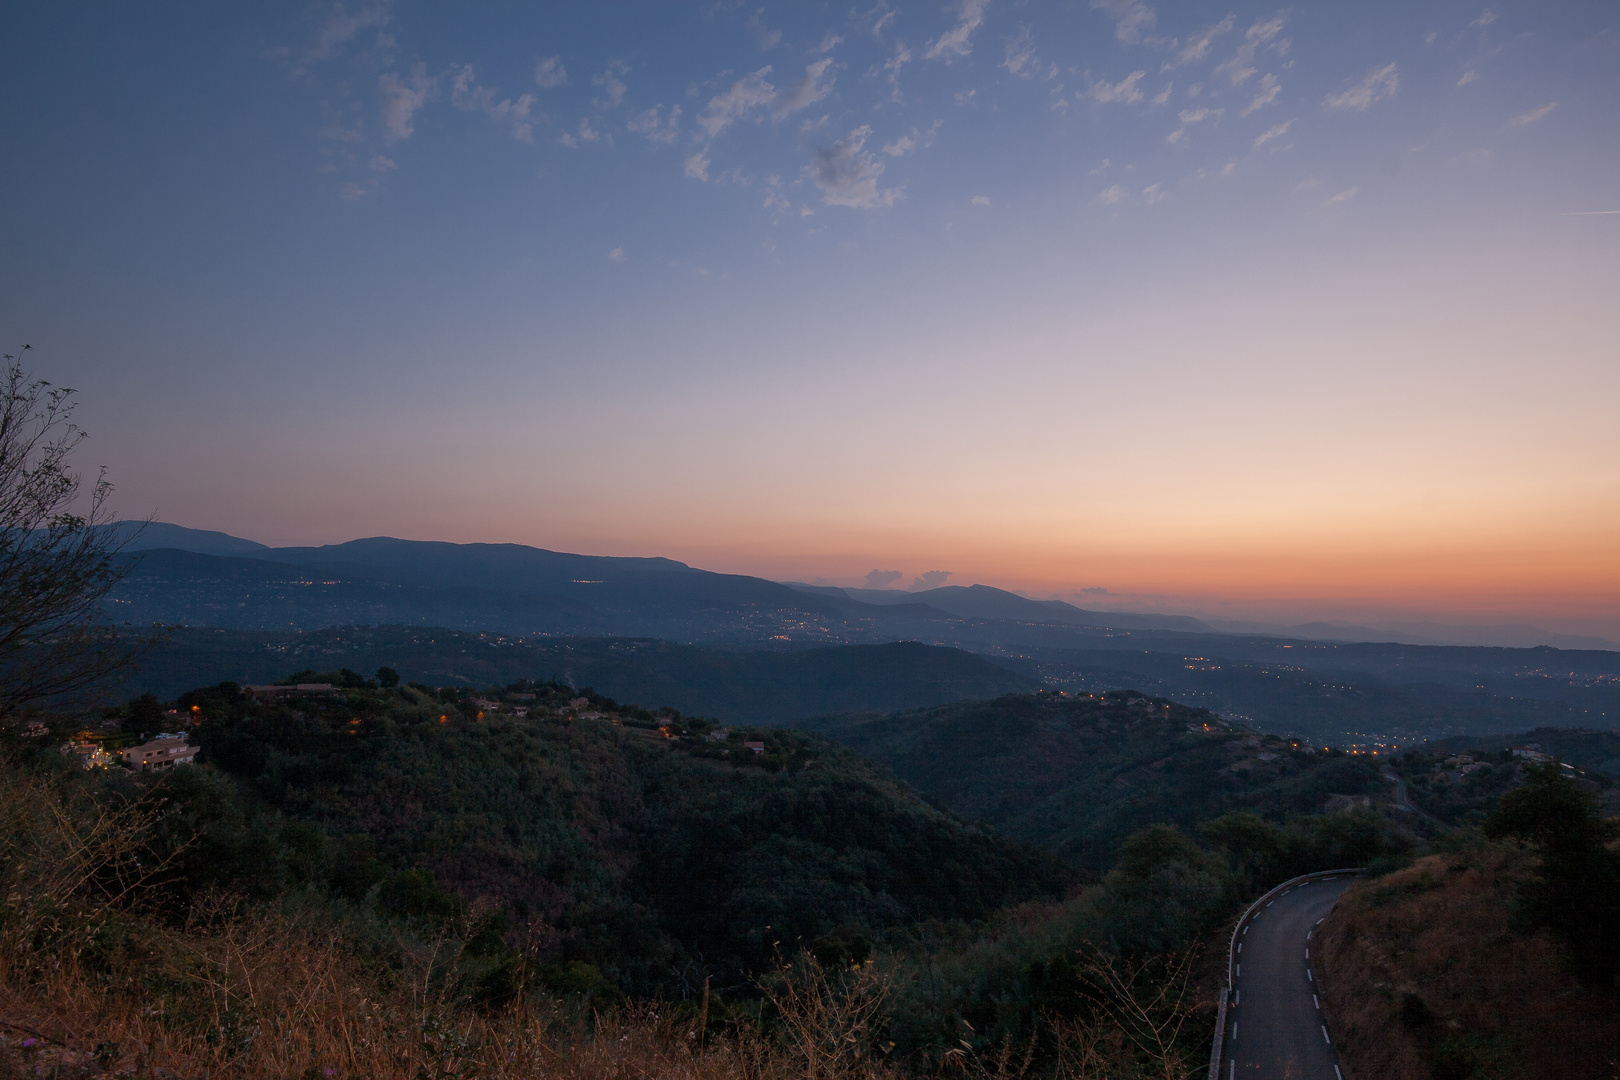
x=1310 y=312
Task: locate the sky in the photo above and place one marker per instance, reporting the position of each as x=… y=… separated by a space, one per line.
x=1241 y=311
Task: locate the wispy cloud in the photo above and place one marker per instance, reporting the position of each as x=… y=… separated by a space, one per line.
x=1132 y=18
x=401 y=98
x=1272 y=133
x=829 y=42
x=697 y=166
x=1020 y=58
x=814 y=85
x=1485 y=19
x=747 y=94
x=1196 y=46
x=766 y=38
x=1126 y=91
x=848 y=175
x=1344 y=196
x=1266 y=95
x=1154 y=193
x=379 y=163
x=1377 y=84
x=980 y=200
x=891 y=68
x=467 y=94
x=1533 y=115
x=1241 y=66
x=550 y=73
x=342 y=25
x=957 y=41
x=1468 y=77
x=612 y=83
x=616 y=255
x=1195 y=116
x=1112 y=195
x=656 y=126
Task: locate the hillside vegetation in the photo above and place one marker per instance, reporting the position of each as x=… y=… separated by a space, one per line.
x=732 y=685
x=1077 y=774
x=1498 y=958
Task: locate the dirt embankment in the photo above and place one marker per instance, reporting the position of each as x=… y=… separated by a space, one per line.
x=1425 y=977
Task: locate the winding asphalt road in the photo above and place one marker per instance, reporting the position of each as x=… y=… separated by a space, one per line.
x=1277 y=1029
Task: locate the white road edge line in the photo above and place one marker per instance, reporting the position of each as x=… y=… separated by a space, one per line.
x=1325 y=1035
x=1337 y=1073
x=1318 y=1003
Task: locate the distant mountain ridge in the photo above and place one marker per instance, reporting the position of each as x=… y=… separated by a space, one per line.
x=197 y=577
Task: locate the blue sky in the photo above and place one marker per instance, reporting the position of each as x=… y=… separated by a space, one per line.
x=1304 y=309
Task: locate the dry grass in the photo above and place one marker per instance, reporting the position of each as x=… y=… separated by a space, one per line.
x=1425 y=977
x=90 y=986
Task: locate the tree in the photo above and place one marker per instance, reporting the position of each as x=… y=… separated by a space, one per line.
x=1576 y=891
x=57 y=552
x=387 y=678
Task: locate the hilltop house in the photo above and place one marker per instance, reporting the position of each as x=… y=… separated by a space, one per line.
x=756 y=747
x=164 y=752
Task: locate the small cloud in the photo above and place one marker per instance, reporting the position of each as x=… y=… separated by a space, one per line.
x=1271 y=133
x=1176 y=136
x=1196 y=46
x=981 y=200
x=1428 y=39
x=1020 y=59
x=1126 y=91
x=1132 y=18
x=586 y=132
x=616 y=255
x=550 y=73
x=1485 y=19
x=1344 y=196
x=401 y=98
x=1530 y=117
x=1095 y=590
x=1163 y=96
x=1377 y=84
x=1468 y=77
x=882 y=579
x=892 y=66
x=341 y=26
x=357 y=190
x=612 y=83
x=1193 y=116
x=847 y=175
x=956 y=41
x=1269 y=89
x=1110 y=196
x=655 y=126
x=746 y=94
x=1100 y=168
x=902 y=146
x=697 y=166
x=828 y=43
x=811 y=88
x=931 y=579
x=1154 y=193
x=379 y=163
x=765 y=38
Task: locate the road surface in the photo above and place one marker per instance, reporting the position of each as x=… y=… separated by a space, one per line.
x=1404 y=803
x=1276 y=1030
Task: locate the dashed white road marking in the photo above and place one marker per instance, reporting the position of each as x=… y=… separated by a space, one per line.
x=1234 y=1030
x=1317 y=1003
x=1309 y=976
x=1325 y=1035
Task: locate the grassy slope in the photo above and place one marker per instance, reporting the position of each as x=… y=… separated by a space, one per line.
x=1078 y=774
x=1424 y=976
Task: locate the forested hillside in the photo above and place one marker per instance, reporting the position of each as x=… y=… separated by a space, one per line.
x=1076 y=774
x=643 y=849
